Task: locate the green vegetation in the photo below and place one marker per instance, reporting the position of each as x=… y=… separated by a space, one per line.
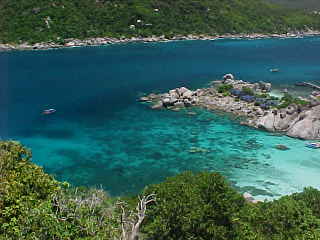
x=188 y=206
x=56 y=20
x=305 y=4
x=288 y=99
x=35 y=206
x=262 y=95
x=247 y=91
x=273 y=98
x=224 y=88
x=204 y=206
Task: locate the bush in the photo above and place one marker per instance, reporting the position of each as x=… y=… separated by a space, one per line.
x=301 y=102
x=284 y=219
x=203 y=206
x=262 y=95
x=273 y=98
x=311 y=197
x=193 y=206
x=283 y=105
x=288 y=99
x=223 y=88
x=247 y=91
x=23 y=185
x=35 y=206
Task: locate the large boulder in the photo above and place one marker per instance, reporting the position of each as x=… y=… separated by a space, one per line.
x=276 y=120
x=144 y=99
x=187 y=94
x=157 y=105
x=249 y=198
x=291 y=109
x=187 y=103
x=166 y=95
x=152 y=96
x=181 y=91
x=166 y=102
x=174 y=93
x=259 y=112
x=179 y=104
x=307 y=125
x=199 y=92
x=194 y=100
x=228 y=76
x=305 y=129
x=265 y=86
x=304 y=125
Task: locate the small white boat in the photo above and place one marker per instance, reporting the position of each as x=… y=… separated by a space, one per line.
x=274 y=70
x=48 y=111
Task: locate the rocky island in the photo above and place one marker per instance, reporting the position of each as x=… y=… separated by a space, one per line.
x=293 y=116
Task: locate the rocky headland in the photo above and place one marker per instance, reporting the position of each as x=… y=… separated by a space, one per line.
x=293 y=116
x=71 y=42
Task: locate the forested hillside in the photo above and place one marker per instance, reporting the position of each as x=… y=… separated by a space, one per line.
x=305 y=4
x=45 y=20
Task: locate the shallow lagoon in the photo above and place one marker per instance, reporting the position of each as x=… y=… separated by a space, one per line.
x=100 y=134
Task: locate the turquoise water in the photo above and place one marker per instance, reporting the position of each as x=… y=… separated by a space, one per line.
x=100 y=134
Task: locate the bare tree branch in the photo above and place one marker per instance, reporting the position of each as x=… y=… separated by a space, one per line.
x=131 y=222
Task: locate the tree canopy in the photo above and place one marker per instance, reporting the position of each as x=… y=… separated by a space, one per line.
x=56 y=20
x=202 y=206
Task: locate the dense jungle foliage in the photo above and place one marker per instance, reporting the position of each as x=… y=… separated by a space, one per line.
x=305 y=4
x=56 y=20
x=33 y=205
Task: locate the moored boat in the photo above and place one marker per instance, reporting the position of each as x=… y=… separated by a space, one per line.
x=313 y=145
x=48 y=111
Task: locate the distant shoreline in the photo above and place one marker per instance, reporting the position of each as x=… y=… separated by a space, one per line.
x=71 y=42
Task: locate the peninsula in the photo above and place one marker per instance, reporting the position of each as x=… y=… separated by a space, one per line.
x=293 y=116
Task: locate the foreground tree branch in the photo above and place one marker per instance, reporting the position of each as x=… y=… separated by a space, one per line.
x=131 y=222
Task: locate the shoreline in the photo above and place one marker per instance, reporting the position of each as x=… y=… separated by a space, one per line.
x=104 y=41
x=294 y=117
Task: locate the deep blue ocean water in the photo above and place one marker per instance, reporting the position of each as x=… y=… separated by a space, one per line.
x=101 y=136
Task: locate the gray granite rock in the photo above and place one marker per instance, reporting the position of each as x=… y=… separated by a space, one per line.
x=307 y=125
x=158 y=105
x=228 y=76
x=187 y=94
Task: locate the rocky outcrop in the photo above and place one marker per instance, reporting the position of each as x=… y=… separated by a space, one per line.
x=303 y=124
x=249 y=198
x=175 y=98
x=208 y=98
x=264 y=86
x=294 y=121
x=307 y=124
x=228 y=76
